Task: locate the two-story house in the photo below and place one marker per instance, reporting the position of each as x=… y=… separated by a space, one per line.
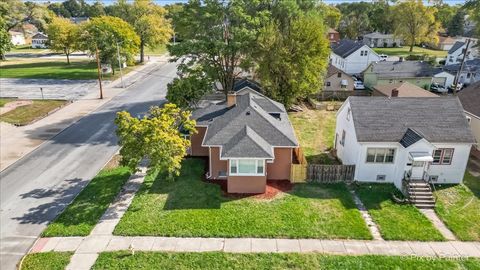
x=352 y=57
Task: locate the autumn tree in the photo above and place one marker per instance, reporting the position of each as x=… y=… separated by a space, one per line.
x=331 y=15
x=63 y=36
x=156 y=137
x=188 y=89
x=105 y=33
x=15 y=13
x=148 y=20
x=415 y=22
x=5 y=43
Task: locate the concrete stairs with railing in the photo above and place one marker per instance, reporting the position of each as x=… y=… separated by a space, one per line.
x=420 y=194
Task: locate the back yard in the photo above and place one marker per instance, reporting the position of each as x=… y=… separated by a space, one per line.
x=315 y=130
x=189 y=206
x=404 y=51
x=459 y=207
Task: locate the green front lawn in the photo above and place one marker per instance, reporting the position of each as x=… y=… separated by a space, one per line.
x=83 y=213
x=395 y=221
x=405 y=51
x=27 y=114
x=459 y=207
x=55 y=69
x=4 y=101
x=219 y=260
x=189 y=207
x=315 y=130
x=46 y=261
x=27 y=49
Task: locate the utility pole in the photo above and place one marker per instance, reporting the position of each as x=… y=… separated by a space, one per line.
x=98 y=70
x=455 y=82
x=120 y=65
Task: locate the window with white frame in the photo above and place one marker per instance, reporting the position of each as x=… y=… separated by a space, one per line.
x=247 y=167
x=342 y=142
x=380 y=155
x=442 y=156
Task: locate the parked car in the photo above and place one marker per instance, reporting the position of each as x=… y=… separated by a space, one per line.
x=459 y=87
x=435 y=87
x=383 y=57
x=358 y=85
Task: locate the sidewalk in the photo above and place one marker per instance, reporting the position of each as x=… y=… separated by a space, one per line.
x=19 y=141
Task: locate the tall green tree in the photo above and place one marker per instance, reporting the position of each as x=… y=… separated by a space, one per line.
x=445 y=13
x=457 y=23
x=291 y=57
x=219 y=39
x=415 y=22
x=188 y=89
x=63 y=36
x=473 y=8
x=331 y=15
x=106 y=33
x=15 y=13
x=381 y=17
x=5 y=43
x=155 y=137
x=148 y=20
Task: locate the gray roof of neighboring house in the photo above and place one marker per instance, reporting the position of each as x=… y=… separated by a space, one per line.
x=457 y=45
x=378 y=35
x=401 y=69
x=250 y=128
x=345 y=47
x=40 y=35
x=470 y=98
x=382 y=119
x=244 y=82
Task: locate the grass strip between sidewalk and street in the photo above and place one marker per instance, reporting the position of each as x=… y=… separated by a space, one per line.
x=459 y=207
x=219 y=260
x=396 y=221
x=83 y=213
x=190 y=207
x=46 y=261
x=26 y=114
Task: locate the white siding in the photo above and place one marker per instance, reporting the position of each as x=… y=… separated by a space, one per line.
x=447 y=76
x=475 y=126
x=346 y=153
x=355 y=63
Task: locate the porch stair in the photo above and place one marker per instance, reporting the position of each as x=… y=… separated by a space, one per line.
x=420 y=194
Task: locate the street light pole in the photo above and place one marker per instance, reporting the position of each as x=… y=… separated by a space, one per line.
x=98 y=71
x=120 y=65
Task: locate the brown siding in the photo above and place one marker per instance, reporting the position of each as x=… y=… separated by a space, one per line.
x=246 y=184
x=216 y=164
x=196 y=139
x=336 y=83
x=280 y=168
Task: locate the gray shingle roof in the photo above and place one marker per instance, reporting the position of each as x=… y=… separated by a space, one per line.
x=235 y=128
x=457 y=45
x=345 y=47
x=378 y=35
x=470 y=98
x=402 y=69
x=469 y=66
x=382 y=119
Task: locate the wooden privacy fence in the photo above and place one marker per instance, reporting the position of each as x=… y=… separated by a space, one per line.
x=321 y=173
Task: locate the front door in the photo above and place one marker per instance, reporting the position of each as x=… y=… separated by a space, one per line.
x=418 y=168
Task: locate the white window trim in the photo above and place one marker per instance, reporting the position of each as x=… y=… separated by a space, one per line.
x=384 y=157
x=246 y=174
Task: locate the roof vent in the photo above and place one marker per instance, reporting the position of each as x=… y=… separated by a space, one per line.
x=247 y=113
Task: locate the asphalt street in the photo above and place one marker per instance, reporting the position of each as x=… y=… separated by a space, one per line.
x=35 y=189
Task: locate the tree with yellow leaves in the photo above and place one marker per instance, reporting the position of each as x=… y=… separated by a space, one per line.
x=158 y=137
x=63 y=36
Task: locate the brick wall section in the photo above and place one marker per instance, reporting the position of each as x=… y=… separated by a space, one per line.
x=217 y=165
x=246 y=184
x=196 y=139
x=280 y=168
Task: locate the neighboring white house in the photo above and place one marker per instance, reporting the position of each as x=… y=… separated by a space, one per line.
x=455 y=54
x=17 y=38
x=39 y=40
x=470 y=71
x=444 y=78
x=470 y=98
x=352 y=57
x=390 y=139
x=380 y=40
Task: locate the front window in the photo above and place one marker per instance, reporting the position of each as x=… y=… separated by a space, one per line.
x=380 y=155
x=247 y=167
x=442 y=156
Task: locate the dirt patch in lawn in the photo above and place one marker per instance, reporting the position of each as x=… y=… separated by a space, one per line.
x=12 y=105
x=273 y=189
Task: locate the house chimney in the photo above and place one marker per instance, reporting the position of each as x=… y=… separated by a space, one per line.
x=231 y=99
x=394 y=92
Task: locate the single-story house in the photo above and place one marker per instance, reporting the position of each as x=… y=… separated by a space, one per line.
x=418 y=73
x=470 y=98
x=352 y=57
x=455 y=54
x=17 y=38
x=337 y=80
x=333 y=35
x=248 y=139
x=404 y=139
x=444 y=43
x=379 y=40
x=470 y=71
x=39 y=40
x=444 y=77
x=404 y=89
